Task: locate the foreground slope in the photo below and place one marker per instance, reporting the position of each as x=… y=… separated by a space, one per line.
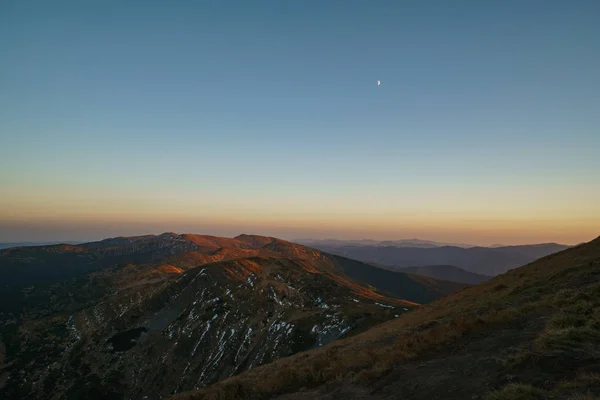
x=149 y=316
x=532 y=333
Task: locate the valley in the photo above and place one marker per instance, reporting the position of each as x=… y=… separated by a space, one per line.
x=531 y=333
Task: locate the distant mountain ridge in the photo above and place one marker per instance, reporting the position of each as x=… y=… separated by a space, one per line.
x=480 y=260
x=414 y=242
x=370 y=242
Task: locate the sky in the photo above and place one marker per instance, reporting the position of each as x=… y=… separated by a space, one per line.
x=223 y=117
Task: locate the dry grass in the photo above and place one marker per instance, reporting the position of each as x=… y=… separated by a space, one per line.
x=517 y=391
x=573 y=330
x=583 y=381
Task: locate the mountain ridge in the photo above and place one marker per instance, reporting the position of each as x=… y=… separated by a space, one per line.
x=479 y=260
x=531 y=333
x=154 y=314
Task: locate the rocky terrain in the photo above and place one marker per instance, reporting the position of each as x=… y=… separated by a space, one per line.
x=150 y=316
x=532 y=333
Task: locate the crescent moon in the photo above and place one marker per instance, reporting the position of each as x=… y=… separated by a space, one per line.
x=378 y=83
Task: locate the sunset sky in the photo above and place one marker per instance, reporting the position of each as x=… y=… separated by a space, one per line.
x=223 y=117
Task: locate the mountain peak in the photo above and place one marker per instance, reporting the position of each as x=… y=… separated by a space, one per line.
x=168 y=235
x=256 y=240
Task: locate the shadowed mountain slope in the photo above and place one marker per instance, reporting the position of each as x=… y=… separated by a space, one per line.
x=24 y=266
x=398 y=283
x=444 y=272
x=531 y=333
x=6 y=245
x=150 y=316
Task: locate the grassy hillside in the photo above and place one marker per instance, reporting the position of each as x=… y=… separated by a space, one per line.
x=531 y=333
x=401 y=284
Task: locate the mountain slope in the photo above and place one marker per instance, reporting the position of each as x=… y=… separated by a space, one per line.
x=479 y=260
x=398 y=283
x=155 y=315
x=444 y=272
x=532 y=333
x=23 y=266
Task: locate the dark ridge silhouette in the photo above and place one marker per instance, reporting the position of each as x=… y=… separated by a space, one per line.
x=155 y=314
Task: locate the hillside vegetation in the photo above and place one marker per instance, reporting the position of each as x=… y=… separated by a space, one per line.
x=145 y=317
x=532 y=333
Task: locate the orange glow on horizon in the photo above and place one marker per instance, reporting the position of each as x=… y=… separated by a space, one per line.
x=488 y=223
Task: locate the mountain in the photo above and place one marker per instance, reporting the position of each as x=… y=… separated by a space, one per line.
x=531 y=333
x=444 y=272
x=419 y=243
x=149 y=316
x=369 y=242
x=6 y=245
x=24 y=266
x=336 y=242
x=479 y=260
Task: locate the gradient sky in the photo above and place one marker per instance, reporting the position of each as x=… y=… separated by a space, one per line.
x=222 y=117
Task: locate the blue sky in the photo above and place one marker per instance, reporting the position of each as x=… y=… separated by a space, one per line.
x=251 y=109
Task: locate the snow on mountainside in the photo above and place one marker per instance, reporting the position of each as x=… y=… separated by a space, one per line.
x=155 y=315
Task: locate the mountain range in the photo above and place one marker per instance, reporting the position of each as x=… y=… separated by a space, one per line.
x=479 y=260
x=531 y=333
x=370 y=242
x=6 y=245
x=149 y=316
